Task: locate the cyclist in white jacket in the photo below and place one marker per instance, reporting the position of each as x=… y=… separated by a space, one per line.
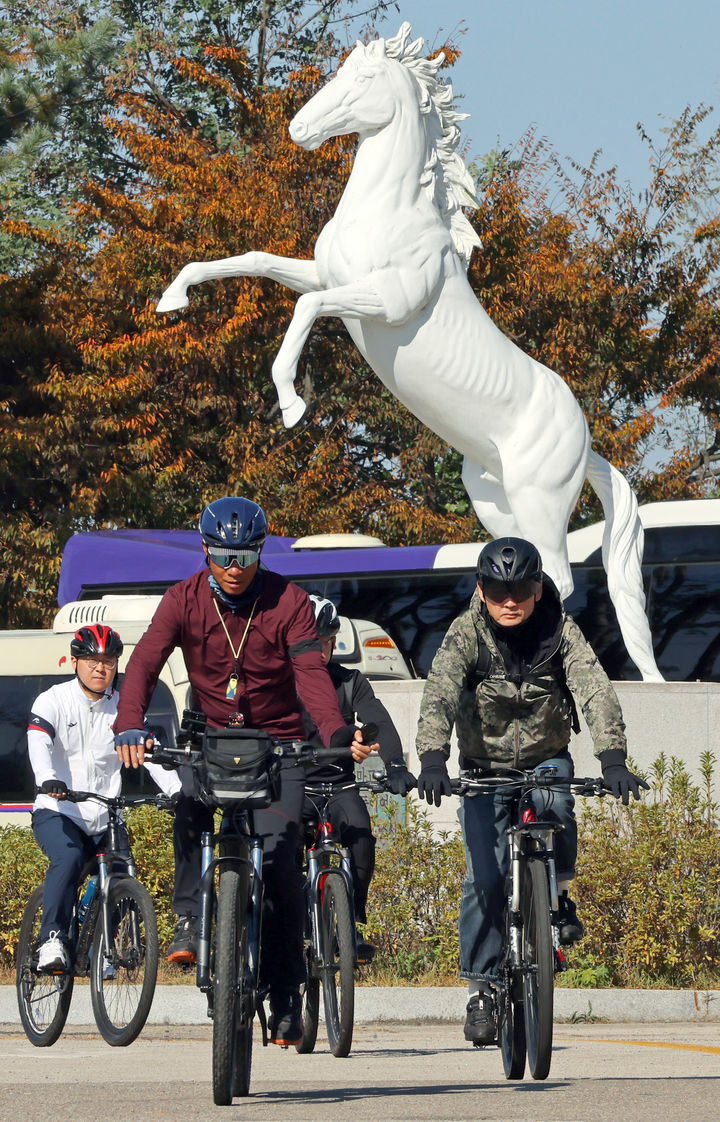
x=72 y=747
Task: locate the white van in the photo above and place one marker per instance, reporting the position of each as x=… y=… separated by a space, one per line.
x=32 y=661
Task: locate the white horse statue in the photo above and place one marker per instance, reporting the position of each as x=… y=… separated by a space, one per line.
x=392 y=264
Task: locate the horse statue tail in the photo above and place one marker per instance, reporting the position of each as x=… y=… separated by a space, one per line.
x=622 y=551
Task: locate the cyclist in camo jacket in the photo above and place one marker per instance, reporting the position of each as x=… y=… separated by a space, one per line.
x=508 y=676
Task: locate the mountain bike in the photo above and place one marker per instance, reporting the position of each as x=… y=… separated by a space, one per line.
x=532 y=954
x=237 y=770
x=115 y=943
x=330 y=932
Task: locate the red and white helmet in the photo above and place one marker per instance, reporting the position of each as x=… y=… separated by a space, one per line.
x=95 y=638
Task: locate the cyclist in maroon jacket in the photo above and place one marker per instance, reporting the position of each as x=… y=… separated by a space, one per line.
x=250 y=645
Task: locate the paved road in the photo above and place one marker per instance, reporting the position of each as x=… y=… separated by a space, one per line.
x=600 y=1073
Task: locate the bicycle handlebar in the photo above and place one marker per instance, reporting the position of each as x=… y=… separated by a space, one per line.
x=542 y=777
x=304 y=751
x=114 y=802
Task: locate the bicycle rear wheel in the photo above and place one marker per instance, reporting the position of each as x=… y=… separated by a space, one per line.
x=43 y=999
x=537 y=956
x=511 y=1032
x=339 y=957
x=234 y=999
x=123 y=975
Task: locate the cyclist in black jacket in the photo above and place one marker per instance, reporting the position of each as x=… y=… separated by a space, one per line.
x=348 y=813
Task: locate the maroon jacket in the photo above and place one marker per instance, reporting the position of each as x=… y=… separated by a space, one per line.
x=280 y=659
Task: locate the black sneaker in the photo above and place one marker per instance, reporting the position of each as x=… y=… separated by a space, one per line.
x=480 y=1025
x=285 y=1025
x=183 y=949
x=365 y=950
x=569 y=925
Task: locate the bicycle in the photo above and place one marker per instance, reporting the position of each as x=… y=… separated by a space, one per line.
x=236 y=770
x=330 y=931
x=532 y=953
x=115 y=943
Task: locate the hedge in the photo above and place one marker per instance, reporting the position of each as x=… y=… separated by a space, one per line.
x=647 y=888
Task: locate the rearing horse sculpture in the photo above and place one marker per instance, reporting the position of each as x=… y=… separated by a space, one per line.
x=392 y=264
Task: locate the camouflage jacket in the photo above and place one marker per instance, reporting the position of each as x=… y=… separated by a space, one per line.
x=505 y=723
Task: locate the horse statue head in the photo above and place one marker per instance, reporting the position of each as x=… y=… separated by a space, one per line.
x=387 y=83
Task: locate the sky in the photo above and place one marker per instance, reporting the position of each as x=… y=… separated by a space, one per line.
x=584 y=72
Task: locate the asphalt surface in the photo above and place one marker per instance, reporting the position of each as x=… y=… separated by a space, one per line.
x=395 y=1072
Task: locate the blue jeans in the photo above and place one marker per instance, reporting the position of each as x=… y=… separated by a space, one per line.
x=484 y=820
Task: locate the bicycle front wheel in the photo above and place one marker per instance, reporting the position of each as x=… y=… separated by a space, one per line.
x=537 y=956
x=123 y=975
x=234 y=999
x=339 y=965
x=43 y=999
x=310 y=993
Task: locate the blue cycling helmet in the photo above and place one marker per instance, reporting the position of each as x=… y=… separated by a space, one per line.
x=233 y=523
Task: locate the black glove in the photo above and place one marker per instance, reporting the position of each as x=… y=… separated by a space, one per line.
x=54 y=787
x=433 y=780
x=619 y=779
x=400 y=780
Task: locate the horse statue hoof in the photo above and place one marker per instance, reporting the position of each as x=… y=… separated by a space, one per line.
x=170 y=303
x=291 y=414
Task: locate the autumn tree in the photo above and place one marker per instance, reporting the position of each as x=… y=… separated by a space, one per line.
x=114 y=416
x=617 y=293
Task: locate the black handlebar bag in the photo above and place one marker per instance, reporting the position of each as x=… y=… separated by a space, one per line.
x=240 y=767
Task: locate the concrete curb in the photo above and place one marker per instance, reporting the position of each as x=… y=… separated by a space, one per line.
x=184 y=1005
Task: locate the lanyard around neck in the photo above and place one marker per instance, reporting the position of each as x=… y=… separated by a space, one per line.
x=236 y=653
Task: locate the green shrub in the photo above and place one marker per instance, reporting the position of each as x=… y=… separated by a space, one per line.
x=22 y=869
x=648 y=888
x=648 y=882
x=414 y=901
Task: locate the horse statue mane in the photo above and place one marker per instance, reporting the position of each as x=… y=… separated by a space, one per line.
x=392 y=264
x=446 y=179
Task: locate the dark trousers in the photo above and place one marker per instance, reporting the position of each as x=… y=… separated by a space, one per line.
x=68 y=848
x=279 y=826
x=350 y=821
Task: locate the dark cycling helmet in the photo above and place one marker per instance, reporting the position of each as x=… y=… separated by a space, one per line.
x=234 y=524
x=509 y=560
x=326 y=617
x=96 y=638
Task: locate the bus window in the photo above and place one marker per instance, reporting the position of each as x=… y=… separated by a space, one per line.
x=415 y=609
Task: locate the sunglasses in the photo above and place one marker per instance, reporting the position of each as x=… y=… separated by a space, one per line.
x=499 y=590
x=225 y=557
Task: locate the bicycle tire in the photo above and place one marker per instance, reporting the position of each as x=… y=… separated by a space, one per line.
x=122 y=983
x=310 y=993
x=511 y=1033
x=43 y=999
x=538 y=977
x=234 y=1005
x=339 y=958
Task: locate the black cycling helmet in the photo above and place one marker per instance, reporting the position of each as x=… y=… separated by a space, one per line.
x=326 y=617
x=509 y=560
x=233 y=523
x=95 y=638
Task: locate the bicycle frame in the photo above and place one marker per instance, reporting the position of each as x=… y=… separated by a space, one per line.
x=234 y=832
x=532 y=953
x=318 y=868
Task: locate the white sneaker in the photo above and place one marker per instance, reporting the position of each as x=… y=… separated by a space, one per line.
x=109 y=971
x=52 y=954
